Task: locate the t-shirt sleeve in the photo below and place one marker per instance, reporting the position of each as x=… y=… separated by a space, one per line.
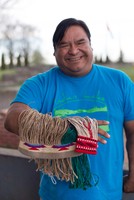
x=128 y=100
x=30 y=93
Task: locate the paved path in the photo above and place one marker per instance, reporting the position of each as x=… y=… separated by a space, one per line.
x=7 y=93
x=128 y=196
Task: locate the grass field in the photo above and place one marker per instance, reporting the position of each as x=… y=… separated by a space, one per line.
x=127 y=68
x=8 y=71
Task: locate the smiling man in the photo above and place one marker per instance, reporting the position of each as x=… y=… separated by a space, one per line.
x=77 y=87
x=74 y=52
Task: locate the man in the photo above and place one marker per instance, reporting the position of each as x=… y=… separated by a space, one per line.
x=77 y=87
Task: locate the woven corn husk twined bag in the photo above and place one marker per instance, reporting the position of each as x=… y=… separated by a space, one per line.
x=59 y=146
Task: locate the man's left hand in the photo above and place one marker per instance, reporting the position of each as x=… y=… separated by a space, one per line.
x=128 y=184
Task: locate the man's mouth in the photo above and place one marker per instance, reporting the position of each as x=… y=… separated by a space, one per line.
x=74 y=59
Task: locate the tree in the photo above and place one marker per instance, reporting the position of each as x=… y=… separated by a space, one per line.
x=37 y=58
x=19 y=61
x=3 y=65
x=25 y=42
x=121 y=57
x=9 y=35
x=19 y=38
x=5 y=5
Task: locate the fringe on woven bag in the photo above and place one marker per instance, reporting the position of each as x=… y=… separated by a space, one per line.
x=37 y=128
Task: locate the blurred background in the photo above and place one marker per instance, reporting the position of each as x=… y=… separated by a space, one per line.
x=27 y=27
x=26 y=31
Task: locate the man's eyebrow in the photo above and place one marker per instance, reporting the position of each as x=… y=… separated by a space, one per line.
x=66 y=42
x=81 y=40
x=62 y=42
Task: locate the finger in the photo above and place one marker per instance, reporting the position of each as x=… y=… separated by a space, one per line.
x=102 y=122
x=102 y=140
x=104 y=135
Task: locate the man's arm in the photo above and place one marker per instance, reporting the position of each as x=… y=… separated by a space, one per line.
x=129 y=179
x=11 y=121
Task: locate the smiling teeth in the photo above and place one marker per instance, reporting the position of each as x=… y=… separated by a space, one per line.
x=74 y=59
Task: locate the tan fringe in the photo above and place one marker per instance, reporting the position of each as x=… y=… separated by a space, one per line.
x=61 y=168
x=37 y=128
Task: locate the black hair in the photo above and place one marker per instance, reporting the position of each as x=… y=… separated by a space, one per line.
x=64 y=25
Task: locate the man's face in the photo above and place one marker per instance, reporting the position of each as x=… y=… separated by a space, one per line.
x=74 y=53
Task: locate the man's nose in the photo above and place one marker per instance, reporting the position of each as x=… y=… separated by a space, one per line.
x=73 y=49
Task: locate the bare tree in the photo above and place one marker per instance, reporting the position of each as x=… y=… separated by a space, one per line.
x=19 y=40
x=37 y=58
x=9 y=36
x=6 y=4
x=27 y=33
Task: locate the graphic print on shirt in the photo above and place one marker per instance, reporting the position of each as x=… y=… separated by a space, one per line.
x=92 y=106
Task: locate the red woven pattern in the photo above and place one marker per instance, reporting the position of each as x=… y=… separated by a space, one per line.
x=86 y=145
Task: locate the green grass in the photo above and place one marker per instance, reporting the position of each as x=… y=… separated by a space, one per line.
x=125 y=67
x=129 y=70
x=7 y=71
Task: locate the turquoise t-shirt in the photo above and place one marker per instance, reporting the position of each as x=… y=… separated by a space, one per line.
x=104 y=93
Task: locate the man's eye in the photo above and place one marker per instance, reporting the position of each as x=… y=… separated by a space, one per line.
x=63 y=45
x=81 y=42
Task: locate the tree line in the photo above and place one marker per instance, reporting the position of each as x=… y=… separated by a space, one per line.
x=19 y=42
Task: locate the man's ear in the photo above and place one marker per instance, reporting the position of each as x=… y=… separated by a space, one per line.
x=91 y=46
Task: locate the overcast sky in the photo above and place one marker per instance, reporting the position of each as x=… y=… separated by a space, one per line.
x=111 y=22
